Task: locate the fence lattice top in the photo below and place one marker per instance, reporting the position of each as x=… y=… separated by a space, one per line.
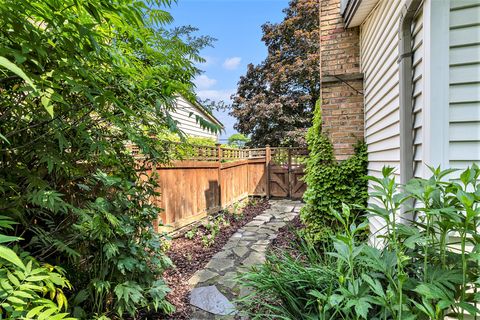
x=217 y=153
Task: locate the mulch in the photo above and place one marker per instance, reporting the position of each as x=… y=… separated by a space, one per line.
x=189 y=256
x=287 y=237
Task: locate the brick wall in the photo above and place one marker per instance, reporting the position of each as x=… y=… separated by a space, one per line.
x=342 y=82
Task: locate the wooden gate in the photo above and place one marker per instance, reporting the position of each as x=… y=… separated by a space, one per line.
x=285 y=172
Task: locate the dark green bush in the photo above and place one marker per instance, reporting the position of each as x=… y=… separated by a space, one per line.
x=329 y=183
x=426 y=268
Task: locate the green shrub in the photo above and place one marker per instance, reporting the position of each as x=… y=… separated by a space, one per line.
x=329 y=183
x=27 y=288
x=79 y=81
x=423 y=270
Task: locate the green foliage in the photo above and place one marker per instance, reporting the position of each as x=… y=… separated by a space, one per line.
x=425 y=268
x=28 y=289
x=238 y=140
x=79 y=80
x=329 y=183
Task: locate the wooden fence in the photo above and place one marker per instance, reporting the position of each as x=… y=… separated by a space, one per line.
x=211 y=179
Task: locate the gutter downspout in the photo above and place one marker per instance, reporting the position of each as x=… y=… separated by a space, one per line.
x=405 y=61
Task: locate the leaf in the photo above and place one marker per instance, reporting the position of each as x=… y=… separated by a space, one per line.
x=16 y=300
x=45 y=99
x=32 y=313
x=4 y=62
x=4 y=238
x=47 y=313
x=36 y=278
x=362 y=307
x=11 y=256
x=13 y=279
x=469 y=307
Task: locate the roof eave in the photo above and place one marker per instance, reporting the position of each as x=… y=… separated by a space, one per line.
x=356 y=11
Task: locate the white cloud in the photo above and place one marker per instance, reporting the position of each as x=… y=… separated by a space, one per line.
x=232 y=63
x=216 y=95
x=204 y=82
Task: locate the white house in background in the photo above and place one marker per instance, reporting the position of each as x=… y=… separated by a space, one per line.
x=186 y=114
x=421 y=83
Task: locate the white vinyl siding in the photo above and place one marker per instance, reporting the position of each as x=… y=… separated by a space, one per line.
x=464 y=107
x=418 y=71
x=379 y=55
x=185 y=114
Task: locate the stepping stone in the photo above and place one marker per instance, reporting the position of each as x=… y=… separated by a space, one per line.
x=272 y=237
x=211 y=300
x=264 y=218
x=220 y=264
x=240 y=251
x=253 y=259
x=263 y=242
x=277 y=224
x=222 y=254
x=249 y=229
x=201 y=276
x=232 y=243
x=259 y=248
x=244 y=291
x=266 y=231
x=228 y=280
x=255 y=223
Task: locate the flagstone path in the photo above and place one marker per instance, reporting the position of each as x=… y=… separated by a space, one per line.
x=214 y=287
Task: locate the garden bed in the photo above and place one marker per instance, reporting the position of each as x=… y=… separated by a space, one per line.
x=287 y=237
x=190 y=255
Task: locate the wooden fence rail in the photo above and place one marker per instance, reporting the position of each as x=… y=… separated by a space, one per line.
x=212 y=179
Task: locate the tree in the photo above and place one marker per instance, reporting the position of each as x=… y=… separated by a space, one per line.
x=275 y=99
x=78 y=80
x=238 y=140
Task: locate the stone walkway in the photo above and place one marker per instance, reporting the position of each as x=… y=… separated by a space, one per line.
x=214 y=287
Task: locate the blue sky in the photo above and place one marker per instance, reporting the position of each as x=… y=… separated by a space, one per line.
x=236 y=24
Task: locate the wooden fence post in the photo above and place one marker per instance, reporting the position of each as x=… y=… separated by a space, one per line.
x=268 y=158
x=219 y=159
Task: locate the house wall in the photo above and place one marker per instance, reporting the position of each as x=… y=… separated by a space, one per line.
x=185 y=113
x=464 y=102
x=342 y=100
x=379 y=55
x=419 y=168
x=379 y=49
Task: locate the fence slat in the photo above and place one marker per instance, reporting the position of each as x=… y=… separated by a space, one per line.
x=212 y=178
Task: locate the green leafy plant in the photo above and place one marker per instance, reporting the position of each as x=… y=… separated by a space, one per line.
x=426 y=267
x=329 y=183
x=212 y=228
x=190 y=234
x=208 y=240
x=28 y=289
x=238 y=140
x=79 y=82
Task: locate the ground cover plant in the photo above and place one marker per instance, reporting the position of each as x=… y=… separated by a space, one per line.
x=426 y=268
x=78 y=80
x=330 y=183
